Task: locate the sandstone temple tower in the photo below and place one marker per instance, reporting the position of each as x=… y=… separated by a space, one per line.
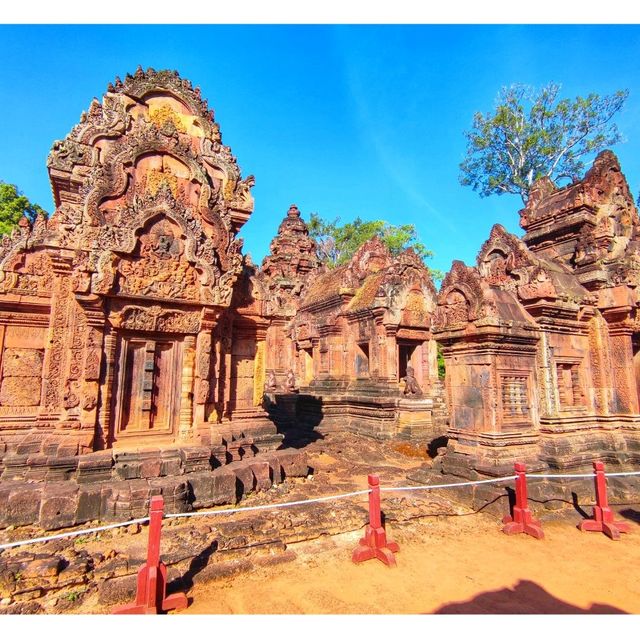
x=114 y=318
x=141 y=353
x=541 y=338
x=136 y=340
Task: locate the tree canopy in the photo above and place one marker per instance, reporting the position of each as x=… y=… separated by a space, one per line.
x=13 y=205
x=532 y=134
x=337 y=242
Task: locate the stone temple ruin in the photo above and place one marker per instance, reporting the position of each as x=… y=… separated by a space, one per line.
x=142 y=354
x=541 y=339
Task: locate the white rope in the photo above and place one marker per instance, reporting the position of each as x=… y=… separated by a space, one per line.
x=430 y=487
x=88 y=531
x=75 y=533
x=267 y=506
x=591 y=475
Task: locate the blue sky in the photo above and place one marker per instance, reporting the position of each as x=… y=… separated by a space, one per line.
x=342 y=120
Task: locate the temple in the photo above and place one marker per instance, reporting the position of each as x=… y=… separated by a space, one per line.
x=142 y=353
x=541 y=339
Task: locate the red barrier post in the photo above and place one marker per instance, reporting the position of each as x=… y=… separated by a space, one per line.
x=151 y=593
x=374 y=545
x=603 y=517
x=522 y=520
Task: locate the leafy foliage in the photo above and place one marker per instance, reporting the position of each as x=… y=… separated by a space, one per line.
x=534 y=134
x=13 y=205
x=337 y=242
x=441 y=364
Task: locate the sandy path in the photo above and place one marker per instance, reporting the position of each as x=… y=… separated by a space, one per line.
x=456 y=564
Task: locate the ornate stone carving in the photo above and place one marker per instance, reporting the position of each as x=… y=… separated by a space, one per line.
x=286 y=271
x=411 y=386
x=160 y=154
x=271 y=383
x=290 y=385
x=156 y=318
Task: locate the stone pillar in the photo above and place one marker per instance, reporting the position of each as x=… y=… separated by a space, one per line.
x=392 y=353
x=625 y=397
x=186 y=427
x=259 y=373
x=104 y=432
x=601 y=366
x=203 y=375
x=57 y=347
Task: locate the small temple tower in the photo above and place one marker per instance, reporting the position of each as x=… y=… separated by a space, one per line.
x=541 y=337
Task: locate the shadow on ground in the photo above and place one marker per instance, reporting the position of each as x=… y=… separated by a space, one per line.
x=525 y=598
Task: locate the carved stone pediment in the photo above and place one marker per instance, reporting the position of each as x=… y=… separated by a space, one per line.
x=155 y=319
x=151 y=153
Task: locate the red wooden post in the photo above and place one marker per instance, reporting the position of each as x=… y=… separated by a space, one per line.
x=603 y=517
x=374 y=545
x=152 y=577
x=522 y=520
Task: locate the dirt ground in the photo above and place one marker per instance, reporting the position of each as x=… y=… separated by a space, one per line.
x=459 y=564
x=451 y=559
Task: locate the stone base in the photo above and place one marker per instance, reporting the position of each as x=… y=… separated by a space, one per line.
x=381 y=417
x=544 y=494
x=62 y=504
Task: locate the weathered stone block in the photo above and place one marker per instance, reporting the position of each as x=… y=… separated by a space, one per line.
x=43 y=568
x=58 y=507
x=245 y=479
x=37 y=467
x=22 y=362
x=261 y=472
x=23 y=506
x=94 y=467
x=20 y=391
x=118 y=566
x=117 y=590
x=175 y=492
x=171 y=463
x=15 y=466
x=294 y=463
x=224 y=487
x=68 y=449
x=195 y=458
x=76 y=570
x=201 y=485
x=89 y=503
x=218 y=456
x=151 y=468
x=275 y=469
x=127 y=467
x=61 y=468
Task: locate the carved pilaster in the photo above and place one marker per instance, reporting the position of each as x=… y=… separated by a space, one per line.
x=57 y=351
x=103 y=429
x=203 y=381
x=625 y=398
x=185 y=428
x=259 y=374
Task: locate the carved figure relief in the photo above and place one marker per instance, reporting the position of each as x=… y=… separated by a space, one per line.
x=411 y=386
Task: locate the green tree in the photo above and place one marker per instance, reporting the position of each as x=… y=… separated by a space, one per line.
x=337 y=242
x=532 y=134
x=13 y=205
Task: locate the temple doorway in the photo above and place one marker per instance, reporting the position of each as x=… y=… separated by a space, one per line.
x=307 y=365
x=406 y=349
x=148 y=383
